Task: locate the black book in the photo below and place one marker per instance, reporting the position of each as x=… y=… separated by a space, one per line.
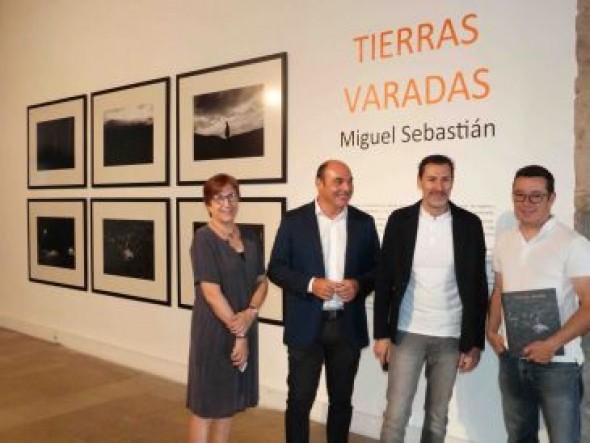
x=530 y=316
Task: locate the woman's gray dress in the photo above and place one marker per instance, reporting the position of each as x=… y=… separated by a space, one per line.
x=216 y=388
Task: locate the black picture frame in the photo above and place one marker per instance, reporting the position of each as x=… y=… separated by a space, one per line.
x=56 y=143
x=130 y=127
x=130 y=248
x=57 y=242
x=261 y=211
x=233 y=118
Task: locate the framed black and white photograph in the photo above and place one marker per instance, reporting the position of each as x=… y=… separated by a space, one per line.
x=57 y=242
x=262 y=214
x=131 y=248
x=232 y=118
x=131 y=135
x=56 y=135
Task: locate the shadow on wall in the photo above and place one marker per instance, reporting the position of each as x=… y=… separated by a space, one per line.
x=479 y=391
x=476 y=392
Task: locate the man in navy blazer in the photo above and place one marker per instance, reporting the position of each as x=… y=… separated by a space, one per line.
x=324 y=257
x=431 y=295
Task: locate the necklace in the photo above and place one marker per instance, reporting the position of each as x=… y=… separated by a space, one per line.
x=225 y=235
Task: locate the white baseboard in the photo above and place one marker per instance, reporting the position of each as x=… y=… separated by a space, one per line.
x=170 y=370
x=366 y=424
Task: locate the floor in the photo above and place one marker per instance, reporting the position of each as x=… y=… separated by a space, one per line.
x=50 y=394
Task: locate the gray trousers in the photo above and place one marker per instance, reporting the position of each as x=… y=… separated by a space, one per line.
x=439 y=356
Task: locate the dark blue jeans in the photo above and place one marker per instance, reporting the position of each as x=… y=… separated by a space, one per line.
x=554 y=388
x=305 y=366
x=586 y=397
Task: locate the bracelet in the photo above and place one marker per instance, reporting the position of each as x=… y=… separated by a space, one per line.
x=241 y=335
x=254 y=308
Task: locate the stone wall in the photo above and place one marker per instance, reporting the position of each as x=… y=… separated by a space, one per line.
x=582 y=166
x=582 y=120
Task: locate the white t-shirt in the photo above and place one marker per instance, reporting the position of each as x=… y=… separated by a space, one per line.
x=548 y=260
x=431 y=304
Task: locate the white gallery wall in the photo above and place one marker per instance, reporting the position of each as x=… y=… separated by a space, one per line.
x=378 y=84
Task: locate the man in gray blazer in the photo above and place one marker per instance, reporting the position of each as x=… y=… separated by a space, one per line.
x=431 y=295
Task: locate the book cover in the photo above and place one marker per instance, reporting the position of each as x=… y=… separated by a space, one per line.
x=530 y=316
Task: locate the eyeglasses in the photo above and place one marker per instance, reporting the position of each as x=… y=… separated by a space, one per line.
x=230 y=198
x=534 y=197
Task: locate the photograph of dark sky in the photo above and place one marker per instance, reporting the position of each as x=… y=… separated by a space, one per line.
x=242 y=108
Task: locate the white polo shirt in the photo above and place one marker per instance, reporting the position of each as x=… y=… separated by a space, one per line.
x=548 y=260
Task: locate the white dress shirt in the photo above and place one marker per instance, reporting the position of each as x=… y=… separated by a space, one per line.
x=333 y=239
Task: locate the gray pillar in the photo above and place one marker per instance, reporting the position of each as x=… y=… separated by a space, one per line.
x=582 y=121
x=582 y=170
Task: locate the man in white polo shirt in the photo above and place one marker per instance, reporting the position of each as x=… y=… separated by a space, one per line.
x=431 y=295
x=540 y=254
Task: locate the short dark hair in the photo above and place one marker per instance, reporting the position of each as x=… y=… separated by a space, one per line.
x=215 y=184
x=322 y=169
x=436 y=159
x=537 y=171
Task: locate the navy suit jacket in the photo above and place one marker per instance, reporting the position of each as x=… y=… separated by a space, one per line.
x=297 y=257
x=395 y=267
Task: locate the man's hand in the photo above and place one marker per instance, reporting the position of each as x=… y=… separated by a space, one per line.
x=346 y=290
x=381 y=349
x=469 y=360
x=323 y=288
x=540 y=351
x=496 y=341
